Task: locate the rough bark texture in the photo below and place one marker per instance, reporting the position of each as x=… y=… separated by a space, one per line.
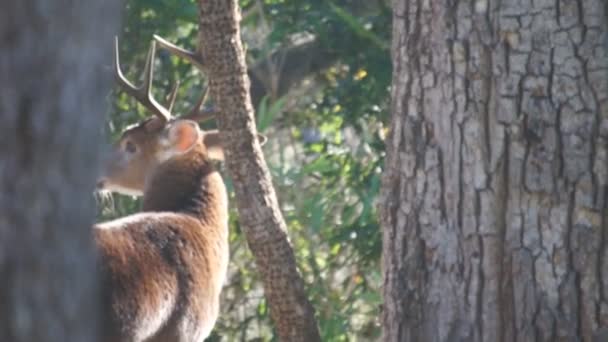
x=51 y=112
x=495 y=196
x=259 y=213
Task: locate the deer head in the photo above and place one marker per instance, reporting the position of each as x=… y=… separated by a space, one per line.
x=146 y=145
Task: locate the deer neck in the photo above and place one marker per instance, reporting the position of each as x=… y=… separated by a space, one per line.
x=188 y=184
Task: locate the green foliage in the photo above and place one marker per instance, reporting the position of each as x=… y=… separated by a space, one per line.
x=325 y=152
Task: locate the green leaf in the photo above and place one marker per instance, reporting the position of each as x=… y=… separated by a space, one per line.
x=267 y=115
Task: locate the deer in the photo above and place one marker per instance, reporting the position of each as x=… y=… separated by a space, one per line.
x=163 y=268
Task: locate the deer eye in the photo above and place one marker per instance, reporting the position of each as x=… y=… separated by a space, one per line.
x=130 y=147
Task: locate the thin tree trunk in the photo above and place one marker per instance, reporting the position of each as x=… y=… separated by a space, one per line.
x=495 y=196
x=259 y=212
x=51 y=111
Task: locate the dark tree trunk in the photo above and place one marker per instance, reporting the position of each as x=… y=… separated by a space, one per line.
x=495 y=195
x=52 y=96
x=257 y=204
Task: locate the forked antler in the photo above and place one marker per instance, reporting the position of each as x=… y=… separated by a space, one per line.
x=201 y=114
x=197 y=113
x=143 y=93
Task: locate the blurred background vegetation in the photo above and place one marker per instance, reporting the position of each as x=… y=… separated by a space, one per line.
x=320 y=74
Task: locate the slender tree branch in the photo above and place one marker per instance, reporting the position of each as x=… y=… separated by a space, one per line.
x=297 y=62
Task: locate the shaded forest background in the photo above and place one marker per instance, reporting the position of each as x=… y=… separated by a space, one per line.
x=320 y=76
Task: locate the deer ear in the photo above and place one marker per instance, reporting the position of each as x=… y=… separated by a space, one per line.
x=213 y=144
x=183 y=135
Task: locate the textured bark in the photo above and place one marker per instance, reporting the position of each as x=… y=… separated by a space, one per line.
x=52 y=93
x=495 y=195
x=259 y=213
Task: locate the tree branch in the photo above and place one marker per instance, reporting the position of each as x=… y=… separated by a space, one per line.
x=298 y=62
x=301 y=60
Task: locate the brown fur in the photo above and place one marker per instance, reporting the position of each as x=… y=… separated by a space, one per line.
x=163 y=268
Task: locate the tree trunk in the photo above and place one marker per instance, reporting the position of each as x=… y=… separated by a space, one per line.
x=51 y=111
x=495 y=193
x=259 y=212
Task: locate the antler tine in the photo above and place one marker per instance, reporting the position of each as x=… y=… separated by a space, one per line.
x=181 y=52
x=198 y=114
x=142 y=94
x=172 y=96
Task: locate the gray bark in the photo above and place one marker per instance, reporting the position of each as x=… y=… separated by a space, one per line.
x=52 y=93
x=259 y=212
x=495 y=193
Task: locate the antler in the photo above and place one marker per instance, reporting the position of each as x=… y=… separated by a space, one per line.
x=199 y=114
x=142 y=93
x=172 y=96
x=192 y=57
x=196 y=114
